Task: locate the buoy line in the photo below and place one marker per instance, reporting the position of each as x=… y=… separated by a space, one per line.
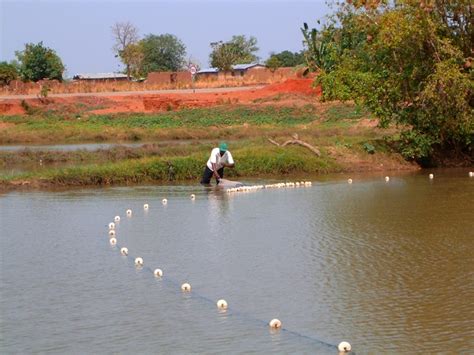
x=221 y=304
x=229 y=311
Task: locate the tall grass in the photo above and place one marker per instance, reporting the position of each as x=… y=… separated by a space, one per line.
x=251 y=162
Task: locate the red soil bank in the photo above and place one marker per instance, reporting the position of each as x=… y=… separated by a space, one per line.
x=162 y=102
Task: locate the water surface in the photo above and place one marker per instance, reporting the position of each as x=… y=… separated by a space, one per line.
x=385 y=266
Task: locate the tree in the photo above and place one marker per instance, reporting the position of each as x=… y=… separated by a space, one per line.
x=239 y=50
x=8 y=72
x=133 y=55
x=38 y=62
x=273 y=63
x=285 y=59
x=410 y=66
x=162 y=53
x=125 y=35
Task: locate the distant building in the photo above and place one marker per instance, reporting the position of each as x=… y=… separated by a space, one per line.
x=208 y=73
x=101 y=77
x=241 y=69
x=237 y=70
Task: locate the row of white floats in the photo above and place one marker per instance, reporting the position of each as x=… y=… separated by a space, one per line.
x=186 y=287
x=270 y=186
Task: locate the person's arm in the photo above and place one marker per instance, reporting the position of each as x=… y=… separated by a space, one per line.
x=214 y=171
x=230 y=161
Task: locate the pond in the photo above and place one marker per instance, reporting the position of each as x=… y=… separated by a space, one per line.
x=387 y=266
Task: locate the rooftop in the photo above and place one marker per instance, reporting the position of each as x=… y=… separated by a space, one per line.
x=93 y=76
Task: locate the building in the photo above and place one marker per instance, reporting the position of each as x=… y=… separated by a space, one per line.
x=102 y=77
x=241 y=69
x=237 y=70
x=208 y=73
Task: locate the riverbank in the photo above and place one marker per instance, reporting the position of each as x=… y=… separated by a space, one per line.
x=179 y=139
x=347 y=139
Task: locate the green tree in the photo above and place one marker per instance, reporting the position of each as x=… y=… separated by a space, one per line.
x=8 y=72
x=162 y=53
x=239 y=50
x=273 y=63
x=409 y=66
x=133 y=55
x=286 y=59
x=38 y=62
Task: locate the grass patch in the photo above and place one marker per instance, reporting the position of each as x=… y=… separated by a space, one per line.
x=252 y=162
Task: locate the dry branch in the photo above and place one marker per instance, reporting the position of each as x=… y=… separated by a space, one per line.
x=298 y=142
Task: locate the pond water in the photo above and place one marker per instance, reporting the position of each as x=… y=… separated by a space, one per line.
x=69 y=147
x=385 y=266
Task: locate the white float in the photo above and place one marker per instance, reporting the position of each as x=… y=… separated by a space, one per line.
x=193 y=196
x=222 y=304
x=387 y=179
x=164 y=201
x=117 y=219
x=145 y=206
x=344 y=346
x=186 y=287
x=124 y=251
x=111 y=225
x=129 y=212
x=158 y=272
x=275 y=323
x=112 y=233
x=471 y=174
x=138 y=261
x=113 y=241
x=349 y=181
x=431 y=176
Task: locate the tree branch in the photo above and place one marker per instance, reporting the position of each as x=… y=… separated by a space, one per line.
x=297 y=142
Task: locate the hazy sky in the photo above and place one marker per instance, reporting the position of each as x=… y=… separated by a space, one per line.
x=80 y=33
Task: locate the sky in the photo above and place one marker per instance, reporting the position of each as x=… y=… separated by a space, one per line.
x=79 y=31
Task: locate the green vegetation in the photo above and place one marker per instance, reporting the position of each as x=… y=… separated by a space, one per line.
x=285 y=59
x=152 y=53
x=253 y=161
x=164 y=52
x=223 y=121
x=239 y=50
x=409 y=63
x=38 y=62
x=335 y=129
x=8 y=72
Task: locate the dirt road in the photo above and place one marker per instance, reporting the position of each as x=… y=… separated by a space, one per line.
x=143 y=92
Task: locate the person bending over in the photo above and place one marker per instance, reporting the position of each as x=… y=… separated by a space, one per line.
x=219 y=159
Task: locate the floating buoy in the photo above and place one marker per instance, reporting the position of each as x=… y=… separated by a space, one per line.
x=129 y=212
x=117 y=219
x=222 y=304
x=349 y=181
x=387 y=179
x=145 y=206
x=112 y=233
x=164 y=201
x=193 y=196
x=158 y=273
x=113 y=241
x=275 y=323
x=138 y=261
x=111 y=225
x=344 y=346
x=124 y=251
x=431 y=176
x=471 y=174
x=186 y=287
